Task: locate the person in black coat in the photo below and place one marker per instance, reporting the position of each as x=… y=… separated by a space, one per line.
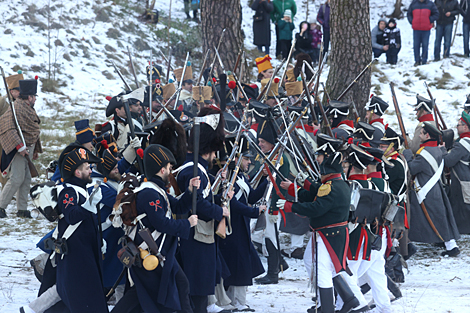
x=79 y=276
x=303 y=43
x=163 y=288
x=237 y=249
x=392 y=39
x=262 y=24
x=448 y=9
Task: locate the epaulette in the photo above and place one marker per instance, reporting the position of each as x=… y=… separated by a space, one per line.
x=419 y=151
x=324 y=189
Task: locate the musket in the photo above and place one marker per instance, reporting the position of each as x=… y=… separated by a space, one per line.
x=221 y=227
x=356 y=79
x=295 y=154
x=166 y=105
x=218 y=178
x=197 y=131
x=131 y=128
x=181 y=80
x=146 y=119
x=278 y=146
x=436 y=110
x=399 y=117
x=167 y=61
x=326 y=92
x=32 y=168
x=203 y=67
x=120 y=75
x=264 y=157
x=213 y=61
x=287 y=64
x=309 y=98
x=132 y=67
x=219 y=59
x=167 y=77
x=238 y=61
x=356 y=114
x=150 y=86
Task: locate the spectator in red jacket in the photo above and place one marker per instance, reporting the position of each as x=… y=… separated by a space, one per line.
x=422 y=14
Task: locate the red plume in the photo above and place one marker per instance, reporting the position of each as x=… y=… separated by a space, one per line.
x=180 y=108
x=214 y=79
x=350 y=141
x=140 y=153
x=157 y=81
x=232 y=84
x=104 y=143
x=36 y=77
x=386 y=126
x=276 y=80
x=108 y=98
x=371 y=95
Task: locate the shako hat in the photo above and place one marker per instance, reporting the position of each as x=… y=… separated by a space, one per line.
x=83 y=132
x=337 y=108
x=422 y=102
x=392 y=137
x=357 y=157
x=377 y=104
x=330 y=148
x=431 y=130
x=364 y=131
x=28 y=87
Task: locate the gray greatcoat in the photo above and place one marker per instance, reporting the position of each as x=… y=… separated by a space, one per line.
x=415 y=142
x=458 y=160
x=437 y=204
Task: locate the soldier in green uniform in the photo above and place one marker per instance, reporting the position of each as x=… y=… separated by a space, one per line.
x=328 y=213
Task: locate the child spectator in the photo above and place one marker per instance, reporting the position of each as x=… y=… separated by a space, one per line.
x=316 y=34
x=286 y=27
x=392 y=39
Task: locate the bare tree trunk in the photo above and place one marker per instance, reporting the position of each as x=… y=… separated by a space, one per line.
x=397 y=13
x=351 y=50
x=215 y=16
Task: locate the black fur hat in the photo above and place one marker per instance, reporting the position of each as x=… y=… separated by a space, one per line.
x=155 y=158
x=72 y=157
x=172 y=136
x=210 y=139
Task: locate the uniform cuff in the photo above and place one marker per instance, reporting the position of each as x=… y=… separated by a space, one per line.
x=288 y=207
x=291 y=190
x=307 y=185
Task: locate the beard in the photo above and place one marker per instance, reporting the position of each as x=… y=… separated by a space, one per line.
x=86 y=177
x=166 y=178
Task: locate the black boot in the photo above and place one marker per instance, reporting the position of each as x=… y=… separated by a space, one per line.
x=342 y=287
x=327 y=300
x=273 y=265
x=23 y=213
x=393 y=287
x=283 y=266
x=3 y=214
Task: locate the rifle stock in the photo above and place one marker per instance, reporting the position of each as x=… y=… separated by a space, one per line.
x=399 y=117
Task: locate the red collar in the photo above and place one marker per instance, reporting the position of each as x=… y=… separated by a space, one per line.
x=308 y=128
x=379 y=120
x=365 y=144
x=465 y=135
x=347 y=122
x=330 y=177
x=393 y=155
x=374 y=175
x=429 y=143
x=426 y=118
x=357 y=177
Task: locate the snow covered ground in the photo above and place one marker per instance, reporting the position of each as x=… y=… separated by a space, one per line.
x=433 y=283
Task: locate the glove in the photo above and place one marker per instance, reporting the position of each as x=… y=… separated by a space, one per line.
x=280 y=203
x=273 y=218
x=104 y=246
x=129 y=152
x=94 y=202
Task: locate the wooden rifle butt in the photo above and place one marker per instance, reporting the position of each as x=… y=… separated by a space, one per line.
x=221 y=228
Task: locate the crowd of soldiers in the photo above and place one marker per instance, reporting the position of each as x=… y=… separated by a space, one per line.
x=170 y=205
